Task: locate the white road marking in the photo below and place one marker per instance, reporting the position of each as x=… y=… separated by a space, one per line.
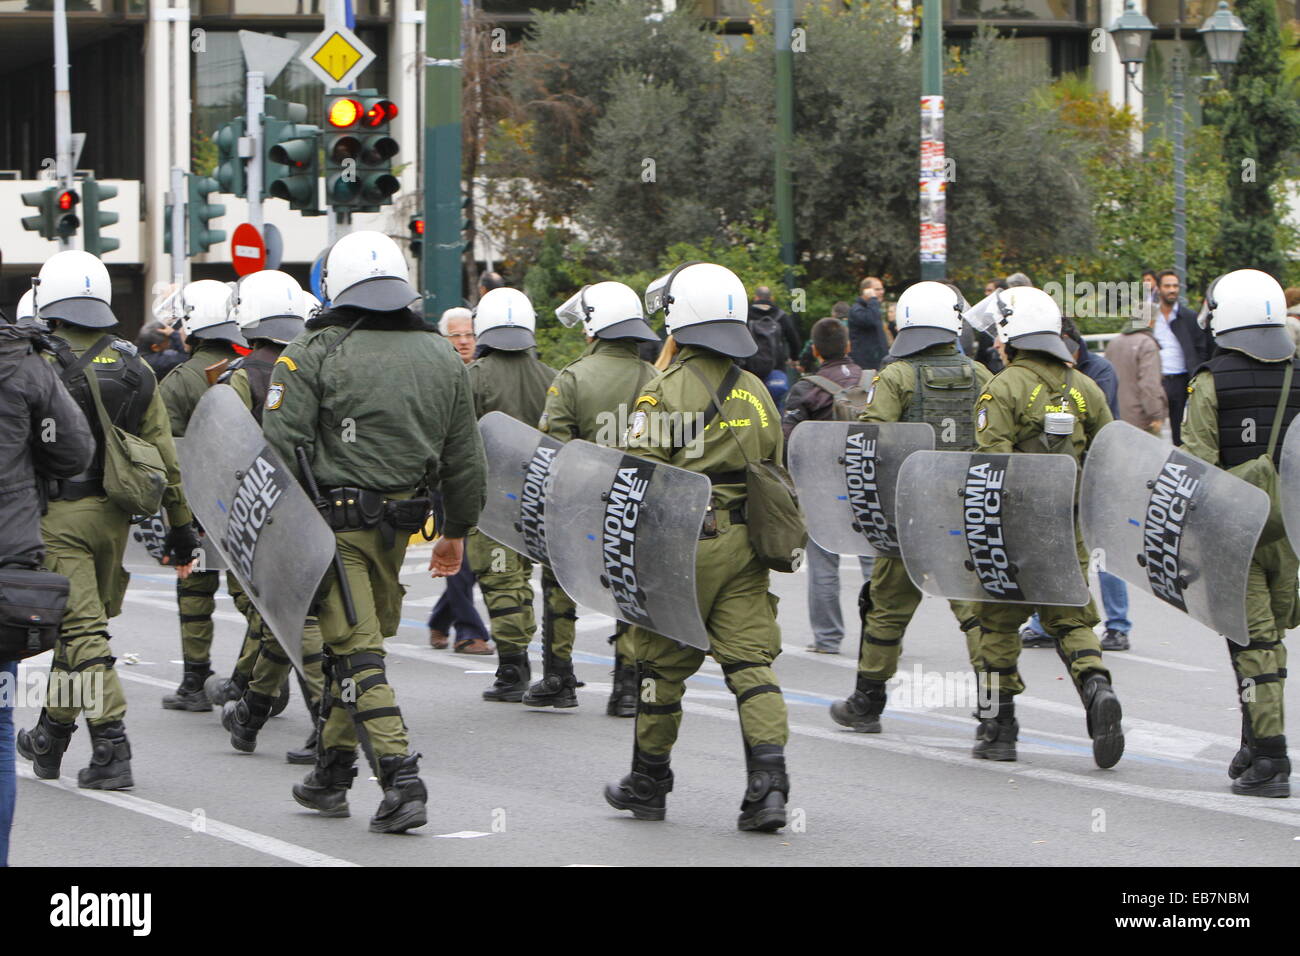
x=248 y=839
x=1159 y=662
x=461 y=835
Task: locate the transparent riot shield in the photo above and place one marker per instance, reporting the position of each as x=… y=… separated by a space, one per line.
x=980 y=527
x=251 y=507
x=1172 y=524
x=208 y=557
x=519 y=459
x=622 y=534
x=1289 y=484
x=847 y=476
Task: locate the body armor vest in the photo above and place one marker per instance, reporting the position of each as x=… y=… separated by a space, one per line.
x=125 y=387
x=258 y=365
x=945 y=395
x=1248 y=391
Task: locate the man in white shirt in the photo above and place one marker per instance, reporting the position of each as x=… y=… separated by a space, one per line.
x=1184 y=346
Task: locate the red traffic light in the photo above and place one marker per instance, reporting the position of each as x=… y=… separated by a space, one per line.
x=417 y=227
x=67 y=199
x=380 y=112
x=343 y=113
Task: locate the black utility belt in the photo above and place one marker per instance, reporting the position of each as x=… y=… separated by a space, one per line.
x=359 y=509
x=710 y=527
x=69 y=490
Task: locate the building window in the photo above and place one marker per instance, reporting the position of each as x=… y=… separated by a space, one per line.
x=1019 y=11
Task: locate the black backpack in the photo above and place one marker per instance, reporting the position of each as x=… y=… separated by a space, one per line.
x=766 y=331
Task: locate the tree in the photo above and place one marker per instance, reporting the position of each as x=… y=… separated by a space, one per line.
x=1260 y=124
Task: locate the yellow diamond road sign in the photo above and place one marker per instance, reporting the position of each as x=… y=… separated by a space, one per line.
x=336 y=57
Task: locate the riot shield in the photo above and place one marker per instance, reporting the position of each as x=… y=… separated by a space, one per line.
x=847 y=474
x=209 y=557
x=622 y=536
x=519 y=459
x=251 y=507
x=975 y=526
x=1172 y=524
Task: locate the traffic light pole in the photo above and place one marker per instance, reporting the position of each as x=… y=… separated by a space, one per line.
x=440 y=265
x=180 y=196
x=784 y=11
x=255 y=100
x=934 y=264
x=62 y=106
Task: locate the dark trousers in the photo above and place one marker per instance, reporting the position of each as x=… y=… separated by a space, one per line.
x=456 y=607
x=1176 y=392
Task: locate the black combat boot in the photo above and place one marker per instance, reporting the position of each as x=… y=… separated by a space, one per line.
x=190 y=695
x=110 y=761
x=1104 y=715
x=307 y=753
x=281 y=700
x=995 y=738
x=244 y=718
x=512 y=679
x=326 y=787
x=402 y=808
x=763 y=808
x=1241 y=760
x=44 y=745
x=861 y=711
x=622 y=693
x=558 y=688
x=222 y=689
x=1269 y=773
x=645 y=790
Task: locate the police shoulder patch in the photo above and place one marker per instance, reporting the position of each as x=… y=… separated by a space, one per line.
x=541 y=424
x=649 y=399
x=274 y=396
x=871 y=392
x=288 y=362
x=637 y=427
x=982 y=419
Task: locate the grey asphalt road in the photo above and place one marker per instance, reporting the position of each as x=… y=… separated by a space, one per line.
x=511 y=785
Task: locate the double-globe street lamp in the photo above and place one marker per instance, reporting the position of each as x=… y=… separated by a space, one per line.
x=1222 y=33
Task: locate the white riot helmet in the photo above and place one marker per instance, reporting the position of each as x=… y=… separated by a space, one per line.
x=928 y=313
x=1246 y=311
x=73 y=287
x=367 y=270
x=26 y=311
x=206 y=305
x=270 y=305
x=607 y=310
x=505 y=320
x=313 y=303
x=1024 y=317
x=704 y=304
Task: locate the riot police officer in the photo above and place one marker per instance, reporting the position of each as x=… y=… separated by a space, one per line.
x=586 y=400
x=1239 y=406
x=85 y=531
x=705 y=311
x=1038 y=404
x=213 y=336
x=379 y=407
x=507 y=377
x=928 y=380
x=271 y=309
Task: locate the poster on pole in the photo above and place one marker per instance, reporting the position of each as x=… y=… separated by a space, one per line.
x=933 y=182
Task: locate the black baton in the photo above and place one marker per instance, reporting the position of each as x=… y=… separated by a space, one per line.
x=345 y=590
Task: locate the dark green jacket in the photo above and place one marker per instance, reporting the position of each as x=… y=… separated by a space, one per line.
x=593 y=392
x=386 y=408
x=510 y=382
x=184 y=385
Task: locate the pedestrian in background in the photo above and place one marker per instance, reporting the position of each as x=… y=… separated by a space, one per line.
x=1135 y=356
x=867 y=342
x=809 y=401
x=1184 y=347
x=1293 y=315
x=161 y=346
x=455 y=609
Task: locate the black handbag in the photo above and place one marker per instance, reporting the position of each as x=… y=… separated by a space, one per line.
x=32 y=603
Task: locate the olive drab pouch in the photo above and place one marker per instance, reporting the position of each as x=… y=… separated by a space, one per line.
x=777 y=531
x=134 y=474
x=944 y=398
x=32 y=603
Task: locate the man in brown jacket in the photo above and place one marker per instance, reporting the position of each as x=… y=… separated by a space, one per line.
x=1135 y=354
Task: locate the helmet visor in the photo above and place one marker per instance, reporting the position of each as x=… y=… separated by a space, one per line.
x=723 y=335
x=1268 y=343
x=380 y=294
x=629 y=329
x=572 y=313
x=915 y=338
x=80 y=310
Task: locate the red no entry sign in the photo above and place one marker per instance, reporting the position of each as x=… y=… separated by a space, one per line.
x=247 y=250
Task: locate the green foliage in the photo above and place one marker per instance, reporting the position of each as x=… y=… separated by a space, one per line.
x=203 y=155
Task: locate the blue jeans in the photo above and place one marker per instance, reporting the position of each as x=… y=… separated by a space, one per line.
x=824 y=610
x=1114 y=599
x=8 y=773
x=456 y=607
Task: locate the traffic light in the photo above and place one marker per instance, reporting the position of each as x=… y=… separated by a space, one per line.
x=65 y=213
x=291 y=152
x=230 y=165
x=359 y=150
x=200 y=212
x=417 y=235
x=43 y=202
x=96 y=242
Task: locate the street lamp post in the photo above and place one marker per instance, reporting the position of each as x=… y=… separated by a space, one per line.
x=1222 y=33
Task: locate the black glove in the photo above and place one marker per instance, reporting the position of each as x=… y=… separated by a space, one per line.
x=182 y=541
